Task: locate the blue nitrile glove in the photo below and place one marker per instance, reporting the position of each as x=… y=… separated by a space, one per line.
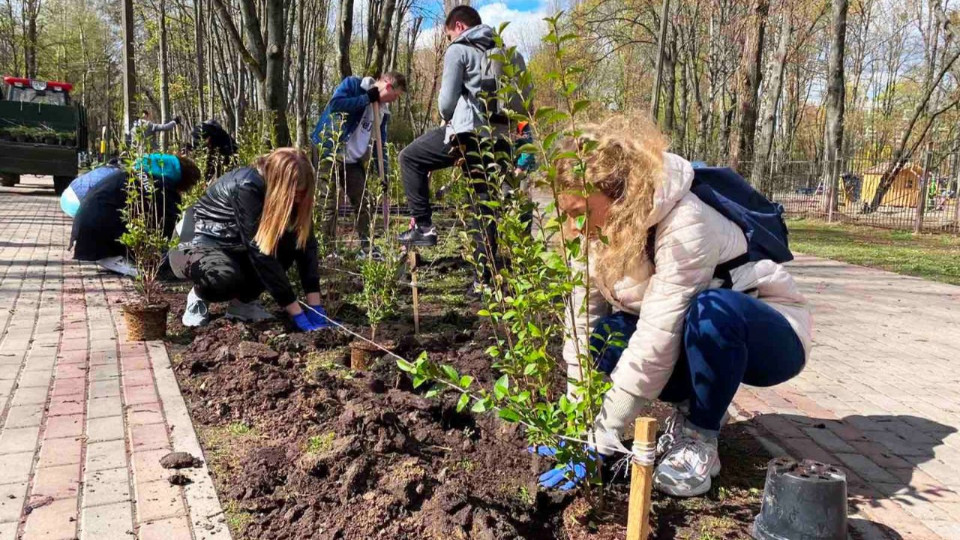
x=317 y=316
x=571 y=474
x=304 y=323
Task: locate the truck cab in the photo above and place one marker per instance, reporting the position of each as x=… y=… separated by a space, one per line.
x=41 y=131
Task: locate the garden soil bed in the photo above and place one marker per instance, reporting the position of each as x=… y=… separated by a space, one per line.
x=302 y=447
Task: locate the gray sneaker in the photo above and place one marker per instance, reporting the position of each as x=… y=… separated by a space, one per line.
x=247 y=311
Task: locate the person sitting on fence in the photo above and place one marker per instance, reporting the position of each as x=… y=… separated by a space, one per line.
x=251 y=225
x=99 y=222
x=346 y=127
x=669 y=282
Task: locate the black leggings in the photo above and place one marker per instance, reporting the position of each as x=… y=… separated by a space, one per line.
x=221 y=275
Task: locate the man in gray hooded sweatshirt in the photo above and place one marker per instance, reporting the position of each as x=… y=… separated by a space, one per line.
x=466 y=124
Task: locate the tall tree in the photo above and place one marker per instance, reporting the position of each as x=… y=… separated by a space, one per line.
x=749 y=85
x=31 y=12
x=771 y=101
x=164 y=73
x=265 y=56
x=836 y=89
x=344 y=33
x=383 y=37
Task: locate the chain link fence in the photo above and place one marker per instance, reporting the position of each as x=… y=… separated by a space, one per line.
x=919 y=195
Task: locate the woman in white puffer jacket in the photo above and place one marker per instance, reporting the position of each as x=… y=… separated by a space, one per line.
x=689 y=341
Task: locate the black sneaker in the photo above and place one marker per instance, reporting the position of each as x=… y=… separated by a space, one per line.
x=419 y=236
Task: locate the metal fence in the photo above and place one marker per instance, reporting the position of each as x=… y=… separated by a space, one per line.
x=922 y=196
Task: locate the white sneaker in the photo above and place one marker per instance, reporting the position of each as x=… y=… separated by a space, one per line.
x=672 y=430
x=118 y=265
x=673 y=427
x=247 y=311
x=196 y=313
x=688 y=467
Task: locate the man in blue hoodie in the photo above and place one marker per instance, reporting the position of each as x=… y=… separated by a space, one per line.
x=344 y=135
x=467 y=123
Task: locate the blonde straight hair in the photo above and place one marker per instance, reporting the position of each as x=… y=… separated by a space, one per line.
x=287 y=172
x=626 y=165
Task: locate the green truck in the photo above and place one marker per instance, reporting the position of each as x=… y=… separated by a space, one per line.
x=41 y=131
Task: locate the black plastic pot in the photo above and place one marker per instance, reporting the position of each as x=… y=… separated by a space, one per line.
x=802 y=501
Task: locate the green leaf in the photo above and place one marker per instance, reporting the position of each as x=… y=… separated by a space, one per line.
x=580 y=105
x=466 y=381
x=450 y=373
x=406 y=366
x=509 y=415
x=462 y=404
x=434 y=391
x=479 y=406
x=501 y=387
x=530 y=369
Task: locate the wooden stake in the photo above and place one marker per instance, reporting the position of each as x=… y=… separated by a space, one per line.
x=383 y=177
x=412 y=259
x=641 y=483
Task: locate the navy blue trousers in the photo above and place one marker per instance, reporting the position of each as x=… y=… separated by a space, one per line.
x=729 y=338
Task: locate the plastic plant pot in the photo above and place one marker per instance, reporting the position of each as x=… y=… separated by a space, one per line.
x=802 y=501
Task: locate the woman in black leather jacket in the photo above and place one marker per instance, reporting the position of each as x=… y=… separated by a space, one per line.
x=251 y=225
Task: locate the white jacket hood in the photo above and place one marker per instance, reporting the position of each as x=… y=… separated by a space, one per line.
x=677 y=179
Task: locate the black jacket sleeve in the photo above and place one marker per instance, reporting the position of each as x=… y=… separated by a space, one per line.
x=248 y=206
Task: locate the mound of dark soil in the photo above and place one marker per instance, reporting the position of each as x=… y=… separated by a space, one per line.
x=301 y=447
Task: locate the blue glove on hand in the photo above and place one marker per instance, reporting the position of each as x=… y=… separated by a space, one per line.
x=317 y=316
x=572 y=473
x=304 y=323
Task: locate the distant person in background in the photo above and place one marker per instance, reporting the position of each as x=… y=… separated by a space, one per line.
x=348 y=122
x=147 y=130
x=463 y=100
x=218 y=146
x=99 y=222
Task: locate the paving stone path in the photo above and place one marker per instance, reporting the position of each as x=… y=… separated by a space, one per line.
x=85 y=414
x=880 y=397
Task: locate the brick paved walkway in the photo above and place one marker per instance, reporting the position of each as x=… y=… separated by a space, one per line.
x=880 y=397
x=85 y=415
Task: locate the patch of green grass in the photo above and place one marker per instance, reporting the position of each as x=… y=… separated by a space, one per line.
x=237 y=519
x=320 y=443
x=935 y=257
x=238 y=428
x=524 y=495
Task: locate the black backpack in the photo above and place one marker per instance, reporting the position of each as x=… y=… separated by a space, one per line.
x=760 y=219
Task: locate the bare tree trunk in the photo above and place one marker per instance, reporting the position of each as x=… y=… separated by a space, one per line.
x=751 y=73
x=344 y=33
x=383 y=36
x=31 y=11
x=164 y=74
x=836 y=89
x=774 y=89
x=670 y=83
x=275 y=94
x=129 y=68
x=201 y=71
x=450 y=4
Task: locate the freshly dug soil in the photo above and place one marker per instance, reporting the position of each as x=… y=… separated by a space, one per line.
x=146 y=322
x=302 y=447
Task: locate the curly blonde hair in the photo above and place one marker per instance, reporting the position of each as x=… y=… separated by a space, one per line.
x=623 y=159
